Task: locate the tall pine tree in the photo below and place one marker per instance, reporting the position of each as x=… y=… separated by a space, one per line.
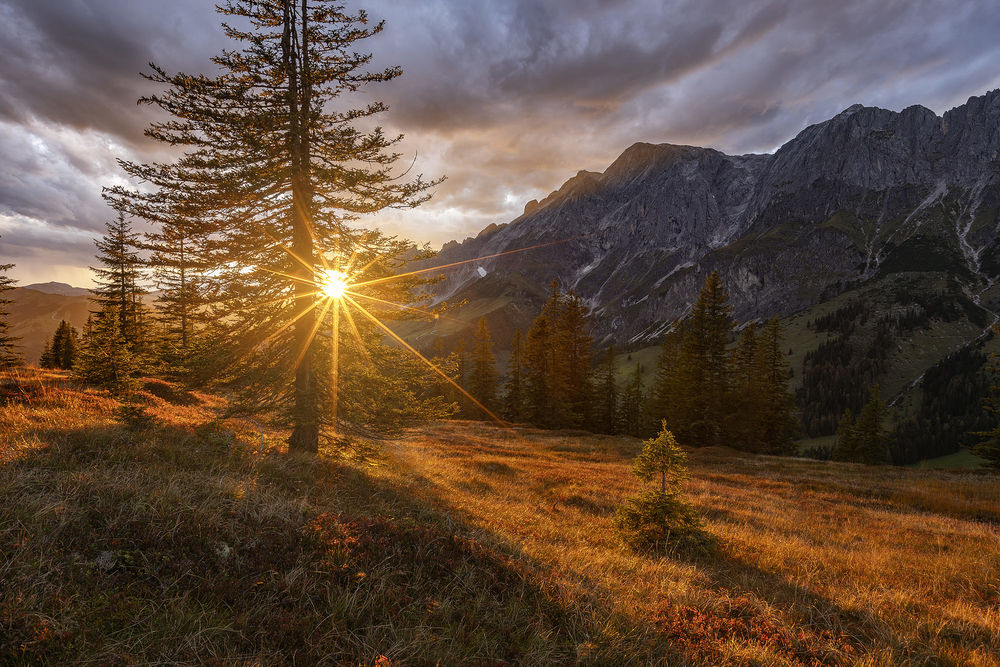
x=704 y=365
x=667 y=397
x=631 y=417
x=118 y=279
x=515 y=391
x=483 y=377
x=60 y=352
x=607 y=381
x=745 y=426
x=864 y=440
x=10 y=357
x=276 y=167
x=538 y=372
x=176 y=259
x=989 y=446
x=776 y=422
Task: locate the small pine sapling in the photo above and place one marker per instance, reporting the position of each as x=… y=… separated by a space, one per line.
x=660 y=519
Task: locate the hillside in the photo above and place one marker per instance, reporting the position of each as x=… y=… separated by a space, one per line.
x=37 y=310
x=462 y=543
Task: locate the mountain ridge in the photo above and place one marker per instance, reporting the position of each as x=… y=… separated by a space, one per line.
x=844 y=193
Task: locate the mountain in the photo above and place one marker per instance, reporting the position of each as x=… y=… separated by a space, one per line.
x=37 y=309
x=894 y=211
x=866 y=193
x=61 y=289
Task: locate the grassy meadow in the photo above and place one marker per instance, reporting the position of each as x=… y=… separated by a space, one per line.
x=462 y=543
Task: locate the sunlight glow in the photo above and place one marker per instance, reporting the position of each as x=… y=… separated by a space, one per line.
x=333 y=283
x=337 y=289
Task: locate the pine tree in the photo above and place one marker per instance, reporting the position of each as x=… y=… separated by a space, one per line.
x=276 y=166
x=746 y=425
x=515 y=393
x=662 y=457
x=667 y=394
x=177 y=264
x=537 y=372
x=118 y=279
x=846 y=447
x=704 y=364
x=864 y=440
x=607 y=415
x=660 y=518
x=631 y=420
x=872 y=444
x=483 y=377
x=60 y=352
x=558 y=369
x=47 y=360
x=574 y=349
x=107 y=359
x=9 y=355
x=776 y=422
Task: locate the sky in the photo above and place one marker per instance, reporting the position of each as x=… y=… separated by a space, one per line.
x=507 y=98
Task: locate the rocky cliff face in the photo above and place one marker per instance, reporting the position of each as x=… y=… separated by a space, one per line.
x=864 y=194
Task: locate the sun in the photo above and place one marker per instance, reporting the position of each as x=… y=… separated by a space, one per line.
x=332 y=283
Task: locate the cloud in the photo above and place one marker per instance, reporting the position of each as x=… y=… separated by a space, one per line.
x=508 y=99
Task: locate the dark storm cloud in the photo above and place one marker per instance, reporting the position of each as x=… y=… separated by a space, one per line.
x=508 y=98
x=76 y=62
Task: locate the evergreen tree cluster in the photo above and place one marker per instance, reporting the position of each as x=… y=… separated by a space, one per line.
x=709 y=391
x=837 y=374
x=118 y=342
x=555 y=367
x=714 y=394
x=60 y=352
x=989 y=445
x=950 y=412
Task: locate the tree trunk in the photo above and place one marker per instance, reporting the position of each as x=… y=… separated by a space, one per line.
x=305 y=423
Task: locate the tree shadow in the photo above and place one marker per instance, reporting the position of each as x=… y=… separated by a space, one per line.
x=369 y=566
x=175 y=547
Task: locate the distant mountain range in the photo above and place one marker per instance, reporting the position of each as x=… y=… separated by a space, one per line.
x=874 y=234
x=865 y=194
x=38 y=309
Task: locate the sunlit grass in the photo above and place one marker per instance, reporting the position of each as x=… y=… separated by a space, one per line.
x=463 y=543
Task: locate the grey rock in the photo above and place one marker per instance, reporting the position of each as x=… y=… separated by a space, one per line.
x=785 y=230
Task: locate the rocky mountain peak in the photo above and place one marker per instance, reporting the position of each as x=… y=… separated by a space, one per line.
x=866 y=191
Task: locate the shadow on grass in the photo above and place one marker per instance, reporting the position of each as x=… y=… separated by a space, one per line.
x=824 y=631
x=168 y=547
x=173 y=546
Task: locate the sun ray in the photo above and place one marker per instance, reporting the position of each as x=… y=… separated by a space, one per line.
x=312 y=334
x=335 y=364
x=425 y=360
x=293 y=297
x=300 y=279
x=464 y=261
x=422 y=311
x=287 y=324
x=357 y=334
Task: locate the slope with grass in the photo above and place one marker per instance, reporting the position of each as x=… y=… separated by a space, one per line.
x=462 y=543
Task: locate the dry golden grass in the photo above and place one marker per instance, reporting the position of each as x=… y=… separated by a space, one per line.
x=463 y=543
x=815 y=562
